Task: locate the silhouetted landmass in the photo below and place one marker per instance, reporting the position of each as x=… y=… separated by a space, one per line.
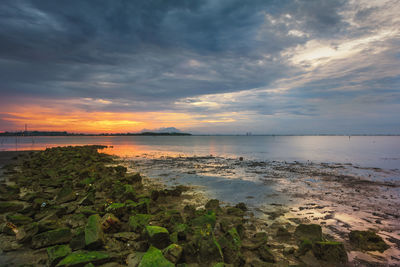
x=41 y=133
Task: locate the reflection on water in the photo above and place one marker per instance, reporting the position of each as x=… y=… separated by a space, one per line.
x=367 y=151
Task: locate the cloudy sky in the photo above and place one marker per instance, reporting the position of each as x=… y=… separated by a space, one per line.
x=211 y=66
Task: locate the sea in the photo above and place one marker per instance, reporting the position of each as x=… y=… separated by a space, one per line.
x=366 y=151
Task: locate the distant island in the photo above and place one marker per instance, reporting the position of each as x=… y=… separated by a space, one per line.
x=47 y=133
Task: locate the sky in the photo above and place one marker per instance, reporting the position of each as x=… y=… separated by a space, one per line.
x=205 y=67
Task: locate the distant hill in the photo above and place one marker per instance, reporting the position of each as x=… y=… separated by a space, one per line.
x=44 y=133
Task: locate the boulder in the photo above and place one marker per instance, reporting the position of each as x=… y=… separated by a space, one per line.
x=138 y=222
x=312 y=232
x=134 y=259
x=94 y=236
x=80 y=258
x=53 y=237
x=154 y=257
x=66 y=194
x=57 y=253
x=283 y=233
x=158 y=236
x=207 y=219
x=367 y=240
x=213 y=205
x=332 y=252
x=173 y=253
x=78 y=239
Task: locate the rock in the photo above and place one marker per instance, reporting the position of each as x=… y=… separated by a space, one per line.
x=241 y=206
x=94 y=236
x=118 y=209
x=266 y=254
x=129 y=192
x=235 y=211
x=8 y=229
x=305 y=246
x=173 y=253
x=135 y=178
x=139 y=207
x=367 y=240
x=66 y=194
x=26 y=232
x=158 y=236
x=88 y=200
x=134 y=259
x=288 y=250
x=154 y=257
x=138 y=222
x=80 y=258
x=213 y=205
x=332 y=252
x=10 y=206
x=312 y=232
x=78 y=239
x=126 y=236
x=283 y=233
x=110 y=223
x=208 y=218
x=53 y=237
x=57 y=253
x=230 y=244
x=75 y=220
x=86 y=210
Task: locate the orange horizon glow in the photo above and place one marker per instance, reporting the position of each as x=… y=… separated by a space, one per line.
x=57 y=118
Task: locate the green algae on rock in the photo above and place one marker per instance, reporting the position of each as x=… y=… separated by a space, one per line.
x=154 y=258
x=80 y=258
x=158 y=236
x=9 y=206
x=367 y=240
x=57 y=253
x=330 y=251
x=94 y=236
x=53 y=237
x=312 y=232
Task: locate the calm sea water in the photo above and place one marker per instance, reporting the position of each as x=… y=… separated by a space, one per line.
x=367 y=151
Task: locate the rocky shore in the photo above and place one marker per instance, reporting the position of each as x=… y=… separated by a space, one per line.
x=74 y=206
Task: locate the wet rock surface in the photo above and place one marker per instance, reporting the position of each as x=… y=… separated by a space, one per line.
x=74 y=206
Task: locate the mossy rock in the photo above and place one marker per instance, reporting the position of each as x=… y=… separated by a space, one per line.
x=66 y=194
x=312 y=232
x=80 y=258
x=332 y=252
x=367 y=240
x=266 y=254
x=53 y=237
x=283 y=233
x=110 y=223
x=118 y=209
x=158 y=236
x=230 y=245
x=57 y=253
x=10 y=206
x=154 y=258
x=19 y=219
x=235 y=211
x=78 y=240
x=138 y=222
x=305 y=246
x=142 y=206
x=173 y=253
x=207 y=219
x=26 y=232
x=213 y=205
x=129 y=192
x=94 y=236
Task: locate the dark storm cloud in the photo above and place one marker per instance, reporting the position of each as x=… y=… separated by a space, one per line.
x=144 y=50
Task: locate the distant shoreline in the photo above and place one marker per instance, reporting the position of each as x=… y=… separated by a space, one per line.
x=49 y=134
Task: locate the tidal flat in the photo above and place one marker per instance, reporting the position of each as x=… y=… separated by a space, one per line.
x=74 y=206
